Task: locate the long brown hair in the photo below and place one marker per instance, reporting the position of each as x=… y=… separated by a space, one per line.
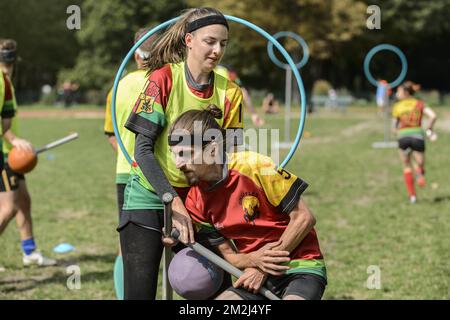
x=410 y=87
x=8 y=45
x=170 y=46
x=207 y=116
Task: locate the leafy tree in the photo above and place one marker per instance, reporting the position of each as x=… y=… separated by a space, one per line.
x=107 y=33
x=44 y=42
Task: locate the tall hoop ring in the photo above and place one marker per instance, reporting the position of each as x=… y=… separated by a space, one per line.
x=377 y=49
x=299 y=40
x=230 y=18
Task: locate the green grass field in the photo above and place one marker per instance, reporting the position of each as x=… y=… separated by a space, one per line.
x=356 y=193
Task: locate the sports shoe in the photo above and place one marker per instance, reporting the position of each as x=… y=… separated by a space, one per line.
x=412 y=199
x=38 y=259
x=421 y=181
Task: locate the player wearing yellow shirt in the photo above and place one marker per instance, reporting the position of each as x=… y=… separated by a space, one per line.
x=181 y=78
x=408 y=113
x=129 y=87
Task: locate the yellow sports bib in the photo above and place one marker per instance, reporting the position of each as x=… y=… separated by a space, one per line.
x=182 y=99
x=6 y=146
x=127 y=92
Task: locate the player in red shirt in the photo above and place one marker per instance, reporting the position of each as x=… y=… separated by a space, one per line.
x=251 y=211
x=408 y=113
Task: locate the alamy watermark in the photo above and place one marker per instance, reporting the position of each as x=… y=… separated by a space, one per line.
x=73 y=22
x=195 y=147
x=374 y=280
x=74 y=279
x=374 y=20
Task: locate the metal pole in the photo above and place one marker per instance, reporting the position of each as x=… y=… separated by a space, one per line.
x=57 y=143
x=167 y=293
x=287 y=103
x=387 y=122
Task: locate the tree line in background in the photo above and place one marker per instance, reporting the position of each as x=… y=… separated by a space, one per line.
x=335 y=31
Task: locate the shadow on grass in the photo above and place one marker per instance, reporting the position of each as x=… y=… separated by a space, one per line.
x=441 y=198
x=22 y=282
x=76 y=259
x=29 y=283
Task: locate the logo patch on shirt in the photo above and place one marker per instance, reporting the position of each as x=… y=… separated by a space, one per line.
x=250 y=205
x=147 y=98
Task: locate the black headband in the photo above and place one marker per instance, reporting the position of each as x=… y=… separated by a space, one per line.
x=8 y=56
x=206 y=21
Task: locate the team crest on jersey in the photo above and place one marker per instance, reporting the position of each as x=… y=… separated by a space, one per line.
x=147 y=98
x=250 y=205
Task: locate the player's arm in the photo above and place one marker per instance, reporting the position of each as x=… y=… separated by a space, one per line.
x=266 y=258
x=300 y=224
x=8 y=113
x=108 y=125
x=147 y=121
x=207 y=233
x=431 y=115
x=253 y=277
x=270 y=257
x=10 y=137
x=112 y=141
x=395 y=119
x=283 y=191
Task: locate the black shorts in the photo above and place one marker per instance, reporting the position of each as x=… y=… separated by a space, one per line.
x=148 y=218
x=9 y=180
x=306 y=285
x=412 y=143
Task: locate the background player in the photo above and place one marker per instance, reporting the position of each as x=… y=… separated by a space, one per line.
x=129 y=88
x=408 y=113
x=14 y=196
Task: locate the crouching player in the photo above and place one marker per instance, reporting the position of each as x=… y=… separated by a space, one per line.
x=253 y=213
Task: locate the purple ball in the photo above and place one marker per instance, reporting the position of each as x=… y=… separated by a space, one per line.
x=193 y=276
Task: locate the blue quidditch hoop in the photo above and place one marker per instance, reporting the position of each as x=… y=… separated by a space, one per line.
x=299 y=40
x=230 y=18
x=377 y=49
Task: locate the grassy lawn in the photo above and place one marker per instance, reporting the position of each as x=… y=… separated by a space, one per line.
x=356 y=193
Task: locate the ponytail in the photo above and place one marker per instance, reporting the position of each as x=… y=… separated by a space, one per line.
x=170 y=47
x=411 y=87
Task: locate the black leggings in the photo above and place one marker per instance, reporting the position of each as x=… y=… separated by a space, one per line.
x=141 y=250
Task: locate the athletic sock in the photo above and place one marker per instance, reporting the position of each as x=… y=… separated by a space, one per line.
x=420 y=175
x=28 y=246
x=420 y=170
x=118 y=277
x=409 y=181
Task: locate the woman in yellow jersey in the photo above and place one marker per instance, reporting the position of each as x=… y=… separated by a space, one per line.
x=408 y=113
x=129 y=87
x=181 y=77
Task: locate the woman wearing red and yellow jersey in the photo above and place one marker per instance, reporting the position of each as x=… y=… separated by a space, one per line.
x=181 y=77
x=408 y=112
